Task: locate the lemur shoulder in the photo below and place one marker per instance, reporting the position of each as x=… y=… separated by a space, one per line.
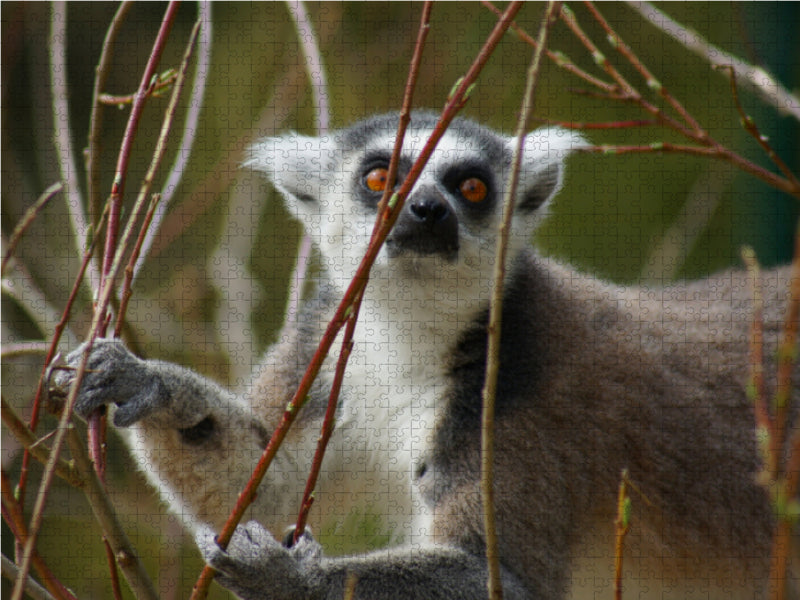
x=594 y=378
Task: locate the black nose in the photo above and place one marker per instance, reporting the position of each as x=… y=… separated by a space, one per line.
x=429 y=209
x=427 y=225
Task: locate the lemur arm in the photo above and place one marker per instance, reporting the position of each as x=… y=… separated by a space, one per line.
x=257 y=567
x=193 y=439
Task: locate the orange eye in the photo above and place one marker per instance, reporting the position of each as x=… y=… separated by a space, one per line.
x=375 y=180
x=473 y=189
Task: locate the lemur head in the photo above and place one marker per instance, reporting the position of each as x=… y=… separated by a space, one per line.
x=449 y=224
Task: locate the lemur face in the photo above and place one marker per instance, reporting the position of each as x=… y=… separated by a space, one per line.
x=450 y=219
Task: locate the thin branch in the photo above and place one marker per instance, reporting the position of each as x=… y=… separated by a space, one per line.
x=454 y=104
x=769 y=88
x=599 y=125
x=32 y=588
x=496 y=310
x=14 y=349
x=194 y=107
x=315 y=69
x=328 y=422
x=60 y=329
x=751 y=128
x=103 y=510
x=62 y=134
x=127 y=292
x=96 y=431
x=118 y=187
x=558 y=58
x=27 y=219
x=314 y=65
x=40 y=452
x=715 y=151
x=94 y=150
x=653 y=83
x=162 y=83
x=622 y=525
x=347 y=342
x=159 y=150
x=758 y=390
x=12 y=514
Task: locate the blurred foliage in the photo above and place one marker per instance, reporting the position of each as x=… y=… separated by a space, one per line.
x=612 y=215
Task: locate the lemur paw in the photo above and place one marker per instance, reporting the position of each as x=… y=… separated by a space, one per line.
x=256 y=566
x=113 y=375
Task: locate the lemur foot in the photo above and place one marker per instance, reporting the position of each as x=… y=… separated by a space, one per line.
x=256 y=566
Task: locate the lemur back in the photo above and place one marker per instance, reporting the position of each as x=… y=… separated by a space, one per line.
x=594 y=379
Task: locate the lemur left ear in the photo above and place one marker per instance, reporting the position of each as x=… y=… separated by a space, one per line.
x=297 y=165
x=542 y=172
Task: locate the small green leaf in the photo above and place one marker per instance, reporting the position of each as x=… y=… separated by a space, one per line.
x=612 y=39
x=561 y=59
x=627 y=507
x=654 y=84
x=657 y=146
x=599 y=57
x=455 y=88
x=469 y=90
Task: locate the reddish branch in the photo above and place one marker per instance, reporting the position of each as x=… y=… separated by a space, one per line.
x=347 y=343
x=12 y=515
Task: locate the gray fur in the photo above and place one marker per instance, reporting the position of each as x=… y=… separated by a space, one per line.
x=595 y=378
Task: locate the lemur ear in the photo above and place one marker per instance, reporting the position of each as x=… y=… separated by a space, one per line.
x=297 y=165
x=542 y=172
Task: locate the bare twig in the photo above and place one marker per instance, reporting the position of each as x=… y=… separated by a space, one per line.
x=27 y=219
x=328 y=423
x=653 y=83
x=103 y=511
x=558 y=58
x=14 y=349
x=780 y=474
x=94 y=149
x=162 y=83
x=314 y=65
x=32 y=588
x=347 y=342
x=769 y=88
x=454 y=104
x=60 y=329
x=28 y=440
x=12 y=515
x=127 y=292
x=751 y=128
x=716 y=151
x=155 y=161
x=496 y=309
x=63 y=131
x=621 y=526
x=322 y=114
x=118 y=187
x=194 y=107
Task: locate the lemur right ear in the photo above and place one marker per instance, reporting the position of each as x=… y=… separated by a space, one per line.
x=542 y=172
x=297 y=165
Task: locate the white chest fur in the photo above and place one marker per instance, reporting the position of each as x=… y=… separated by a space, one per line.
x=388 y=409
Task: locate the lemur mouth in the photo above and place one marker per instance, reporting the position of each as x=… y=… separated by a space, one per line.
x=421 y=246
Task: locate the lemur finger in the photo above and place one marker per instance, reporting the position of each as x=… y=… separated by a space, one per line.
x=151 y=396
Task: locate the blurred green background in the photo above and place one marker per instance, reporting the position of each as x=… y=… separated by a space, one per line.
x=626 y=218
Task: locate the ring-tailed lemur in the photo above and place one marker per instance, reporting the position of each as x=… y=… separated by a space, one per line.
x=594 y=379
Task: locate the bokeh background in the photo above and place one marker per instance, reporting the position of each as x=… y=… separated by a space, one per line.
x=214 y=289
